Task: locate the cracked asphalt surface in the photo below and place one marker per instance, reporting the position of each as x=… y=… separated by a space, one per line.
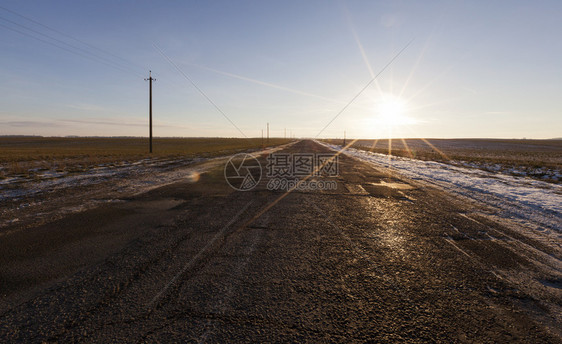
x=379 y=259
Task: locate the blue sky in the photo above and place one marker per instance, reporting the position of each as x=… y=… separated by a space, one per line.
x=473 y=69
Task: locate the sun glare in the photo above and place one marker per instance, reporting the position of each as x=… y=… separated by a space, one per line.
x=391 y=112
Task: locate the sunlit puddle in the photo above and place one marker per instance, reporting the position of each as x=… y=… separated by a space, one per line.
x=389 y=189
x=394 y=185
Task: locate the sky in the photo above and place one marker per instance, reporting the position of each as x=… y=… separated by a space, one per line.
x=374 y=69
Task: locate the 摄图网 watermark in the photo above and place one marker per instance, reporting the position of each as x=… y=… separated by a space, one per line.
x=285 y=171
x=299 y=171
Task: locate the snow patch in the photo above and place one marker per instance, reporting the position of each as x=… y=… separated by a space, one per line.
x=532 y=203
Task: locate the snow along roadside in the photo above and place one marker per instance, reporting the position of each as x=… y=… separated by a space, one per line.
x=105 y=186
x=533 y=204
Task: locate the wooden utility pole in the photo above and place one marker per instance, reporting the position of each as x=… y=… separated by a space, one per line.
x=268 y=133
x=344 y=138
x=150 y=79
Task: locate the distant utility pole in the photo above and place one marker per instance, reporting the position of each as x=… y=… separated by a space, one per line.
x=262 y=146
x=344 y=138
x=285 y=133
x=150 y=79
x=268 y=133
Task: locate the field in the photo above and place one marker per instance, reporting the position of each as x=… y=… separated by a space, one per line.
x=539 y=159
x=38 y=156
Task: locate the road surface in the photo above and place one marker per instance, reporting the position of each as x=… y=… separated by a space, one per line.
x=380 y=258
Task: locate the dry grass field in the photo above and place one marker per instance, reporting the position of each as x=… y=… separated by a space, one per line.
x=28 y=155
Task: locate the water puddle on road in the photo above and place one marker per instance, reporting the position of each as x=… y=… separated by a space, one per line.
x=389 y=189
x=394 y=185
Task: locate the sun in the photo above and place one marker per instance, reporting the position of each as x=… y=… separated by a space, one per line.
x=392 y=111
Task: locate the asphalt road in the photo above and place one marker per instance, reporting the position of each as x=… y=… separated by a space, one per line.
x=379 y=259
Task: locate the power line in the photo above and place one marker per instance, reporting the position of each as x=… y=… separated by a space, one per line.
x=197 y=88
x=67 y=35
x=364 y=88
x=77 y=51
x=63 y=48
x=71 y=48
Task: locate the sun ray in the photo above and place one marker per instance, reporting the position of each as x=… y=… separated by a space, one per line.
x=407 y=148
x=286 y=193
x=444 y=101
x=415 y=67
x=422 y=54
x=361 y=48
x=436 y=149
x=389 y=154
x=431 y=82
x=443 y=155
x=374 y=145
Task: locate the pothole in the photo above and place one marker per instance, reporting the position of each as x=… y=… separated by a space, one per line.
x=356 y=189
